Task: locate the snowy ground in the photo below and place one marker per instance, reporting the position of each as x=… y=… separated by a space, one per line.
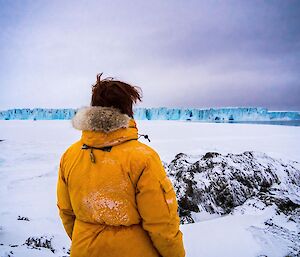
x=29 y=160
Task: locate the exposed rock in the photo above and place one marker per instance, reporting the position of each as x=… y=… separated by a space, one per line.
x=23 y=218
x=218 y=183
x=40 y=242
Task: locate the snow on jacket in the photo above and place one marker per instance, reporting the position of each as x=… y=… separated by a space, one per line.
x=116 y=201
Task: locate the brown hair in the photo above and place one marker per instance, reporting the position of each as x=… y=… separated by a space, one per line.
x=114 y=93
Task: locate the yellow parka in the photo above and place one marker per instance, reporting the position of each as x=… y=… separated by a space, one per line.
x=113 y=194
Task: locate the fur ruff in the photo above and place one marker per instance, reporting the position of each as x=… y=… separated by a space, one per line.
x=99 y=118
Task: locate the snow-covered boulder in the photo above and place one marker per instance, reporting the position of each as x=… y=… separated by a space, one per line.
x=217 y=183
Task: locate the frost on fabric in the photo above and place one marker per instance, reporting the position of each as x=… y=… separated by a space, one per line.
x=106 y=210
x=139 y=150
x=107 y=161
x=170 y=200
x=143 y=150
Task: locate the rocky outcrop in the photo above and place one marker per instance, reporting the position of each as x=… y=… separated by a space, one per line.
x=218 y=183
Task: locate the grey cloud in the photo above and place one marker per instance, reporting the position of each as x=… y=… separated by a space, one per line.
x=180 y=52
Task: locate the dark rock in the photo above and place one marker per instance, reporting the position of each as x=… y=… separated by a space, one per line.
x=23 y=218
x=286 y=205
x=218 y=185
x=209 y=155
x=39 y=242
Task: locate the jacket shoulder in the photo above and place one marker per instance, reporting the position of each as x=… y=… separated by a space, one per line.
x=143 y=151
x=70 y=150
x=144 y=148
x=149 y=158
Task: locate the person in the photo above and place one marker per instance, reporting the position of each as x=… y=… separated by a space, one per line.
x=113 y=194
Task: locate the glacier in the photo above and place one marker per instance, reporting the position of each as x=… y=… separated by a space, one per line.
x=37 y=114
x=225 y=114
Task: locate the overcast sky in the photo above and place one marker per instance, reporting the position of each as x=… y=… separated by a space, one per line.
x=181 y=53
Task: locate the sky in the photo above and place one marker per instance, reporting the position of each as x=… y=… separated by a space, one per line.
x=186 y=54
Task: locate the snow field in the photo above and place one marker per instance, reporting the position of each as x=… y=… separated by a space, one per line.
x=29 y=160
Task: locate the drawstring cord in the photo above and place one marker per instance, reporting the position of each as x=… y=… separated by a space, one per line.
x=145 y=136
x=92 y=156
x=106 y=148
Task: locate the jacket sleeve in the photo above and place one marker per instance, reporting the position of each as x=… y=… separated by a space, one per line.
x=157 y=205
x=63 y=201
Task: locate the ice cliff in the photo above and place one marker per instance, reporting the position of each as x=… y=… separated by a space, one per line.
x=163 y=113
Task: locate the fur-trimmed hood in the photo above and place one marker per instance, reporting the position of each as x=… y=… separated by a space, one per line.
x=98 y=118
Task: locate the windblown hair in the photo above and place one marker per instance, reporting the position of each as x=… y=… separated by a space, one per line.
x=109 y=92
